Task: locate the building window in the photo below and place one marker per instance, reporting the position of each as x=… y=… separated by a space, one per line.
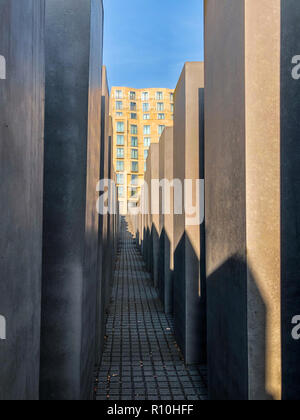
x=119 y=105
x=145 y=96
x=120 y=140
x=146 y=153
x=171 y=97
x=120 y=166
x=119 y=114
x=121 y=191
x=119 y=94
x=133 y=192
x=147 y=141
x=134 y=142
x=146 y=107
x=159 y=96
x=161 y=129
x=146 y=116
x=161 y=116
x=120 y=127
x=133 y=129
x=120 y=179
x=132 y=106
x=134 y=180
x=160 y=106
x=134 y=154
x=133 y=116
x=134 y=166
x=120 y=153
x=147 y=129
x=132 y=96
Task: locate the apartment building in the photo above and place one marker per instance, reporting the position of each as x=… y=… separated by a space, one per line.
x=139 y=118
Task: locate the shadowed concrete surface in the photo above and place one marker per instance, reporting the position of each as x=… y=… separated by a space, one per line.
x=141 y=358
x=225 y=207
x=290 y=202
x=106 y=149
x=21 y=195
x=103 y=273
x=74 y=30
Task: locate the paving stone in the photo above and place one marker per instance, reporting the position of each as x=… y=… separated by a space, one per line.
x=141 y=349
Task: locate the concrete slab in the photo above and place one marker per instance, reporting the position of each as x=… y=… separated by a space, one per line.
x=252 y=198
x=106 y=147
x=154 y=212
x=166 y=228
x=147 y=217
x=22 y=88
x=72 y=161
x=189 y=257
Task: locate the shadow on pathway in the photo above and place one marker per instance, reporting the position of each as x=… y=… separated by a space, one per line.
x=141 y=359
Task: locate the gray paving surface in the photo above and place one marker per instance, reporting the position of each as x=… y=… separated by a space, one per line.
x=141 y=359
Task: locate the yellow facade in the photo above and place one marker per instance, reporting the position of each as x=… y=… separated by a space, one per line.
x=139 y=117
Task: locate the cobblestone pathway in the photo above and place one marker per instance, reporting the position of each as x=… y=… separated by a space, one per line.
x=141 y=359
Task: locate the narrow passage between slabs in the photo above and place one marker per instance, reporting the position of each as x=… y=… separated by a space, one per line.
x=141 y=359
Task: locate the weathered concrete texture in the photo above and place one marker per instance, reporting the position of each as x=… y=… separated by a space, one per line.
x=105 y=141
x=141 y=218
x=102 y=231
x=166 y=222
x=154 y=210
x=72 y=162
x=146 y=249
x=140 y=223
x=290 y=198
x=225 y=201
x=21 y=194
x=111 y=192
x=108 y=224
x=189 y=258
x=252 y=198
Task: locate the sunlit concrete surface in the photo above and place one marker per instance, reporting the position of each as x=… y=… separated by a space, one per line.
x=252 y=156
x=189 y=247
x=166 y=222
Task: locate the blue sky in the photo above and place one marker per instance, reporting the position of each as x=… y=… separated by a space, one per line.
x=146 y=42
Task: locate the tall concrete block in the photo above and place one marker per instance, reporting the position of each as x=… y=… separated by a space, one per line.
x=110 y=240
x=147 y=216
x=103 y=220
x=149 y=248
x=154 y=212
x=72 y=161
x=189 y=257
x=161 y=231
x=166 y=222
x=140 y=228
x=137 y=223
x=105 y=174
x=252 y=197
x=142 y=219
x=21 y=195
